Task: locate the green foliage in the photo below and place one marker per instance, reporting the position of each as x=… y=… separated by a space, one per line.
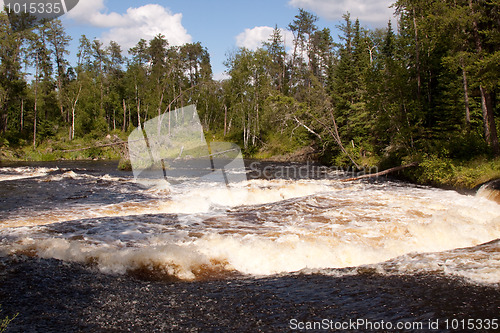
x=363 y=156
x=6 y=321
x=426 y=92
x=277 y=143
x=46 y=129
x=477 y=172
x=124 y=165
x=436 y=170
x=4 y=142
x=441 y=171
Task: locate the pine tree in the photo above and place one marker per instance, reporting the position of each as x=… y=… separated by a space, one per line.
x=58 y=42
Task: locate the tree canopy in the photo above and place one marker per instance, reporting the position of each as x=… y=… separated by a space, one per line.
x=428 y=87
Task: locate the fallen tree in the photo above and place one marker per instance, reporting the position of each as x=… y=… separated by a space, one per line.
x=92 y=147
x=381 y=173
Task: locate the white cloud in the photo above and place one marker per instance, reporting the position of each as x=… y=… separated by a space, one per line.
x=127 y=29
x=375 y=12
x=221 y=76
x=147 y=22
x=88 y=12
x=253 y=38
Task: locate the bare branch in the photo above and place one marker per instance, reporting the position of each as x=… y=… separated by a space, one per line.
x=307 y=128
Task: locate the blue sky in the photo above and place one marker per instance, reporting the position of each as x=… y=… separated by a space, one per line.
x=220 y=25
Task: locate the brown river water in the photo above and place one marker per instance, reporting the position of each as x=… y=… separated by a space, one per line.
x=83 y=247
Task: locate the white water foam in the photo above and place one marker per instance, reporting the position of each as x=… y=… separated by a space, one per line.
x=24 y=173
x=280 y=227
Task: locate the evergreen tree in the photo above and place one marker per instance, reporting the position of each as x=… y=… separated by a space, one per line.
x=58 y=42
x=12 y=84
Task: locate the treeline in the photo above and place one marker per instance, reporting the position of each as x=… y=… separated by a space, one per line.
x=427 y=87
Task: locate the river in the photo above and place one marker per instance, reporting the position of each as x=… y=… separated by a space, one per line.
x=83 y=247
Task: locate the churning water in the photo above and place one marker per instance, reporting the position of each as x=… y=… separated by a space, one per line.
x=90 y=215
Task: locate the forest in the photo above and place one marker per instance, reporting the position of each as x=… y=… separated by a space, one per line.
x=422 y=89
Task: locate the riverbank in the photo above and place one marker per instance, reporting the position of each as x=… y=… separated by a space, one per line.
x=433 y=171
x=453 y=174
x=110 y=147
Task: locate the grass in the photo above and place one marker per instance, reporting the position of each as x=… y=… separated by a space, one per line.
x=60 y=147
x=444 y=172
x=6 y=321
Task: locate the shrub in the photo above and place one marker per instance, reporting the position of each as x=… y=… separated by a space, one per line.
x=441 y=171
x=436 y=170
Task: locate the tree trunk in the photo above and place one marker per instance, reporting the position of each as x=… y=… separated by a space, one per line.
x=138 y=102
x=34 y=121
x=294 y=58
x=225 y=120
x=161 y=102
x=73 y=112
x=36 y=104
x=22 y=114
x=139 y=114
x=72 y=136
x=59 y=97
x=490 y=129
x=417 y=54
x=382 y=173
x=101 y=106
x=3 y=121
x=466 y=96
x=98 y=146
x=129 y=117
x=124 y=127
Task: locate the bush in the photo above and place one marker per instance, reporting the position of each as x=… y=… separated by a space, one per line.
x=46 y=129
x=441 y=171
x=436 y=171
x=4 y=142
